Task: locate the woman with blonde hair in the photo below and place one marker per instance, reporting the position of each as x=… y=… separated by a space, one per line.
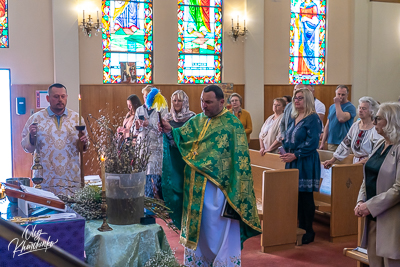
x=179 y=112
x=300 y=144
x=379 y=197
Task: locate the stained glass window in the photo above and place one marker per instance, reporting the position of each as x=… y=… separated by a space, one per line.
x=307 y=42
x=127 y=41
x=3 y=23
x=199 y=41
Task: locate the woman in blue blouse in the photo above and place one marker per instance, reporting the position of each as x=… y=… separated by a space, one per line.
x=301 y=143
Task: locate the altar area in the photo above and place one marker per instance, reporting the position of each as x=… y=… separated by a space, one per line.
x=126 y=245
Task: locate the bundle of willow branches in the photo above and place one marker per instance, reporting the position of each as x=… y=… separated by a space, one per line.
x=87 y=203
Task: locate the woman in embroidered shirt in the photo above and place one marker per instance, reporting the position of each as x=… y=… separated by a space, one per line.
x=361 y=137
x=301 y=143
x=133 y=103
x=270 y=131
x=242 y=114
x=179 y=112
x=379 y=197
x=146 y=126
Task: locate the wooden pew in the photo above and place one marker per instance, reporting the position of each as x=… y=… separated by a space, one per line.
x=279 y=221
x=339 y=204
x=362 y=258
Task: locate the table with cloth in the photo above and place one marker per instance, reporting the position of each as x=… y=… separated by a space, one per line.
x=126 y=245
x=68 y=233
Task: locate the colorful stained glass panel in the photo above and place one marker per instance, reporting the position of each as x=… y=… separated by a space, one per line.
x=307 y=42
x=4 y=24
x=127 y=41
x=199 y=41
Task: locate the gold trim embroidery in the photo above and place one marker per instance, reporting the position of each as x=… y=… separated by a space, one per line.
x=188 y=219
x=226 y=195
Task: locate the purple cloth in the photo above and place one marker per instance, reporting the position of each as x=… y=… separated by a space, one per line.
x=69 y=233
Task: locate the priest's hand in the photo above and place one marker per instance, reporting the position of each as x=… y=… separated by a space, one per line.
x=166 y=126
x=288 y=157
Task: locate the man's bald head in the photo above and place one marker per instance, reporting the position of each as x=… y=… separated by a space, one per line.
x=304 y=86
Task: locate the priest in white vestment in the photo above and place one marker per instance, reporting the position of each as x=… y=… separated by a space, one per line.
x=52 y=135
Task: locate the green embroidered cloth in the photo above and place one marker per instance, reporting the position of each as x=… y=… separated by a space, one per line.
x=215 y=149
x=126 y=245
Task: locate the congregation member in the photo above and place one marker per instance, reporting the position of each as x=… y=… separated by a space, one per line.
x=146 y=128
x=362 y=136
x=300 y=144
x=52 y=135
x=179 y=112
x=217 y=210
x=133 y=102
x=270 y=131
x=340 y=118
x=243 y=115
x=287 y=99
x=318 y=106
x=379 y=196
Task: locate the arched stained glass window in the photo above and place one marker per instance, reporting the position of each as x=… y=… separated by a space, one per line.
x=199 y=41
x=307 y=42
x=3 y=23
x=127 y=41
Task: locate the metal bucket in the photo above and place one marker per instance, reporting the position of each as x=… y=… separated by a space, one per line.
x=20 y=180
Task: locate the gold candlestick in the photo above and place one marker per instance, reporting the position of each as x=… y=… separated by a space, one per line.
x=104 y=227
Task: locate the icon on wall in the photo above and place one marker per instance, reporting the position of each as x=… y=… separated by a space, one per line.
x=128 y=72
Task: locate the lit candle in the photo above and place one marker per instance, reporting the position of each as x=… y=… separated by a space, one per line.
x=83 y=17
x=80 y=110
x=97 y=15
x=103 y=173
x=232 y=23
x=238 y=21
x=244 y=24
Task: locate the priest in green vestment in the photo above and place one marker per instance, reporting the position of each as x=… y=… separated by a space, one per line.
x=210 y=151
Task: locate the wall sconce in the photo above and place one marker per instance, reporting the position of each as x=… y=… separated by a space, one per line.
x=236 y=32
x=88 y=25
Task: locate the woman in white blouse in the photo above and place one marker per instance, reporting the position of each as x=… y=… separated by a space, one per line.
x=361 y=137
x=270 y=131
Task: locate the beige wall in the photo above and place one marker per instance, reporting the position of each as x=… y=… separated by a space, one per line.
x=30 y=56
x=377 y=50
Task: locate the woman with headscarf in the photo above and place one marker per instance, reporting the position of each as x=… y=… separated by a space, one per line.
x=179 y=112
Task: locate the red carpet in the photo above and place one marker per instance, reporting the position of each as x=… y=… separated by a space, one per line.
x=321 y=252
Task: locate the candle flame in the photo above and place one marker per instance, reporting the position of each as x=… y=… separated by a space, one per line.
x=79 y=97
x=102 y=158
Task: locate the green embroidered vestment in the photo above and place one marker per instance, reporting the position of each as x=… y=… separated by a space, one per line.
x=215 y=149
